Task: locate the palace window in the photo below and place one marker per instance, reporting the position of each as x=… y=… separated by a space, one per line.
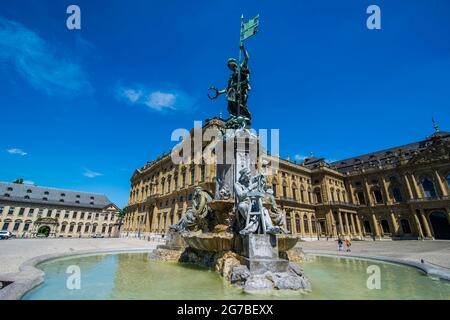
x=49 y=213
x=26 y=226
x=71 y=228
x=302 y=195
x=288 y=223
x=103 y=229
x=1 y=209
x=66 y=215
x=284 y=192
x=86 y=228
x=378 y=196
x=11 y=210
x=21 y=211
x=192 y=175
x=16 y=226
x=313 y=226
x=397 y=193
x=385 y=226
x=169 y=182
x=305 y=224
x=74 y=215
x=297 y=223
x=294 y=193
x=202 y=173
x=274 y=188
x=94 y=228
x=183 y=179
x=89 y=216
x=361 y=198
x=318 y=195
x=5 y=226
x=82 y=215
x=405 y=226
x=63 y=228
x=30 y=212
x=428 y=188
x=97 y=215
x=367 y=227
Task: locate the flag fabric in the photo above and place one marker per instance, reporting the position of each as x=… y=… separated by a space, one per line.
x=250 y=28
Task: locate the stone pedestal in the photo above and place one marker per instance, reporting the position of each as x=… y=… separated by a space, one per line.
x=260 y=253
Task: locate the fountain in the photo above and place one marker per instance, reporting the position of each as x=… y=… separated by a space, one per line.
x=239 y=230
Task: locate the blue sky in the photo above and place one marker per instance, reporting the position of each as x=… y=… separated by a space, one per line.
x=82 y=109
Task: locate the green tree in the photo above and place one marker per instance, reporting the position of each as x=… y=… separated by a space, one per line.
x=18 y=181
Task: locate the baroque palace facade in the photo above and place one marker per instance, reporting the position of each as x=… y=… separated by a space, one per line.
x=398 y=193
x=28 y=211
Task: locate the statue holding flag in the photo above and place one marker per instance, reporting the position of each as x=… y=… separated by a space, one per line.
x=238 y=85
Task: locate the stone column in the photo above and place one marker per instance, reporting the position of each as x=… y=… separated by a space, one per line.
x=426 y=226
x=341 y=225
x=442 y=187
x=293 y=215
x=302 y=225
x=355 y=232
x=408 y=186
x=368 y=195
x=358 y=223
x=416 y=186
x=385 y=190
x=310 y=226
x=376 y=228
x=333 y=231
x=347 y=224
x=418 y=227
x=394 y=223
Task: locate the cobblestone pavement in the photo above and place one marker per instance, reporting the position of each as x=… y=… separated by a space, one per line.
x=16 y=251
x=435 y=252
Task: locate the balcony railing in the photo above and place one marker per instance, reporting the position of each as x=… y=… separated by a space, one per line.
x=437 y=198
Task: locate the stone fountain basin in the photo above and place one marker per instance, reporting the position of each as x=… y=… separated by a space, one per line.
x=214 y=242
x=221 y=205
x=286 y=242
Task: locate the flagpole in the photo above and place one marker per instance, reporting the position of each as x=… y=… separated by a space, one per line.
x=238 y=94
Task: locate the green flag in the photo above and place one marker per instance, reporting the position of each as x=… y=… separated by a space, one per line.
x=250 y=28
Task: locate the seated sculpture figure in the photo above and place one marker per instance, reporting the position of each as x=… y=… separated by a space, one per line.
x=276 y=215
x=194 y=219
x=244 y=188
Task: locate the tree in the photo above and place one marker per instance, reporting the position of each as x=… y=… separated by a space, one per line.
x=18 y=181
x=122 y=213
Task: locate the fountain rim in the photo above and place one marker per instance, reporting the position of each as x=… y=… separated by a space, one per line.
x=30 y=276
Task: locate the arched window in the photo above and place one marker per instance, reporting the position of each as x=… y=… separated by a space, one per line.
x=385 y=226
x=397 y=193
x=405 y=226
x=318 y=195
x=297 y=223
x=288 y=223
x=313 y=226
x=361 y=198
x=305 y=223
x=367 y=227
x=428 y=188
x=378 y=196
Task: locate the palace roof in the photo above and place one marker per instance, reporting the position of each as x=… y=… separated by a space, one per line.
x=52 y=196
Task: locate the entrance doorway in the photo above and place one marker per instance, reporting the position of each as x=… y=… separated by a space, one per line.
x=440 y=224
x=44 y=230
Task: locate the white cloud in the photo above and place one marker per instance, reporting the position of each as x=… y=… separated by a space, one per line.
x=17 y=151
x=156 y=99
x=159 y=100
x=299 y=157
x=91 y=174
x=38 y=62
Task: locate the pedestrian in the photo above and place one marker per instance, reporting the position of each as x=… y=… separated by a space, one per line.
x=340 y=244
x=348 y=244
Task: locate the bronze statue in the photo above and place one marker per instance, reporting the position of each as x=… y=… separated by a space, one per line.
x=237 y=88
x=195 y=218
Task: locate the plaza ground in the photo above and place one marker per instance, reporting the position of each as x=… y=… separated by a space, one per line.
x=435 y=252
x=15 y=252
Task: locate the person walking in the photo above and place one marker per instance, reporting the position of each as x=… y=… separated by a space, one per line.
x=348 y=244
x=340 y=244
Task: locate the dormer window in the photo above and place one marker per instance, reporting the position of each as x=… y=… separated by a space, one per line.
x=29 y=191
x=6 y=195
x=46 y=193
x=78 y=201
x=63 y=194
x=78 y=196
x=27 y=197
x=92 y=198
x=44 y=198
x=61 y=200
x=10 y=189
